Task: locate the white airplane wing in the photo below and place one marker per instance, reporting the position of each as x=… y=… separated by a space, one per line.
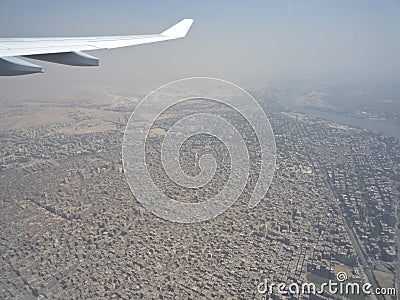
x=68 y=50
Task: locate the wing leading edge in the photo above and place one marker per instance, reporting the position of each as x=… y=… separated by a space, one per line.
x=68 y=50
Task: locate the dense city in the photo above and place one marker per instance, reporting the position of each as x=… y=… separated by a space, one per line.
x=71 y=228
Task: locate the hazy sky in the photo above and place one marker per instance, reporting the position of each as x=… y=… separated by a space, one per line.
x=237 y=41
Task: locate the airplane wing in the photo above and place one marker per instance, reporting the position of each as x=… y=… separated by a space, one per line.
x=68 y=50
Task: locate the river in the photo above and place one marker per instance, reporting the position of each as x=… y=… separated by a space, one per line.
x=385 y=127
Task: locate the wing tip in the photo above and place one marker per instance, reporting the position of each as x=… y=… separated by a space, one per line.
x=179 y=30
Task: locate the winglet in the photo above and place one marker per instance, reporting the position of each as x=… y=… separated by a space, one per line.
x=179 y=30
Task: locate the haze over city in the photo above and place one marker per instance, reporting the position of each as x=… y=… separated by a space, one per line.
x=261 y=41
